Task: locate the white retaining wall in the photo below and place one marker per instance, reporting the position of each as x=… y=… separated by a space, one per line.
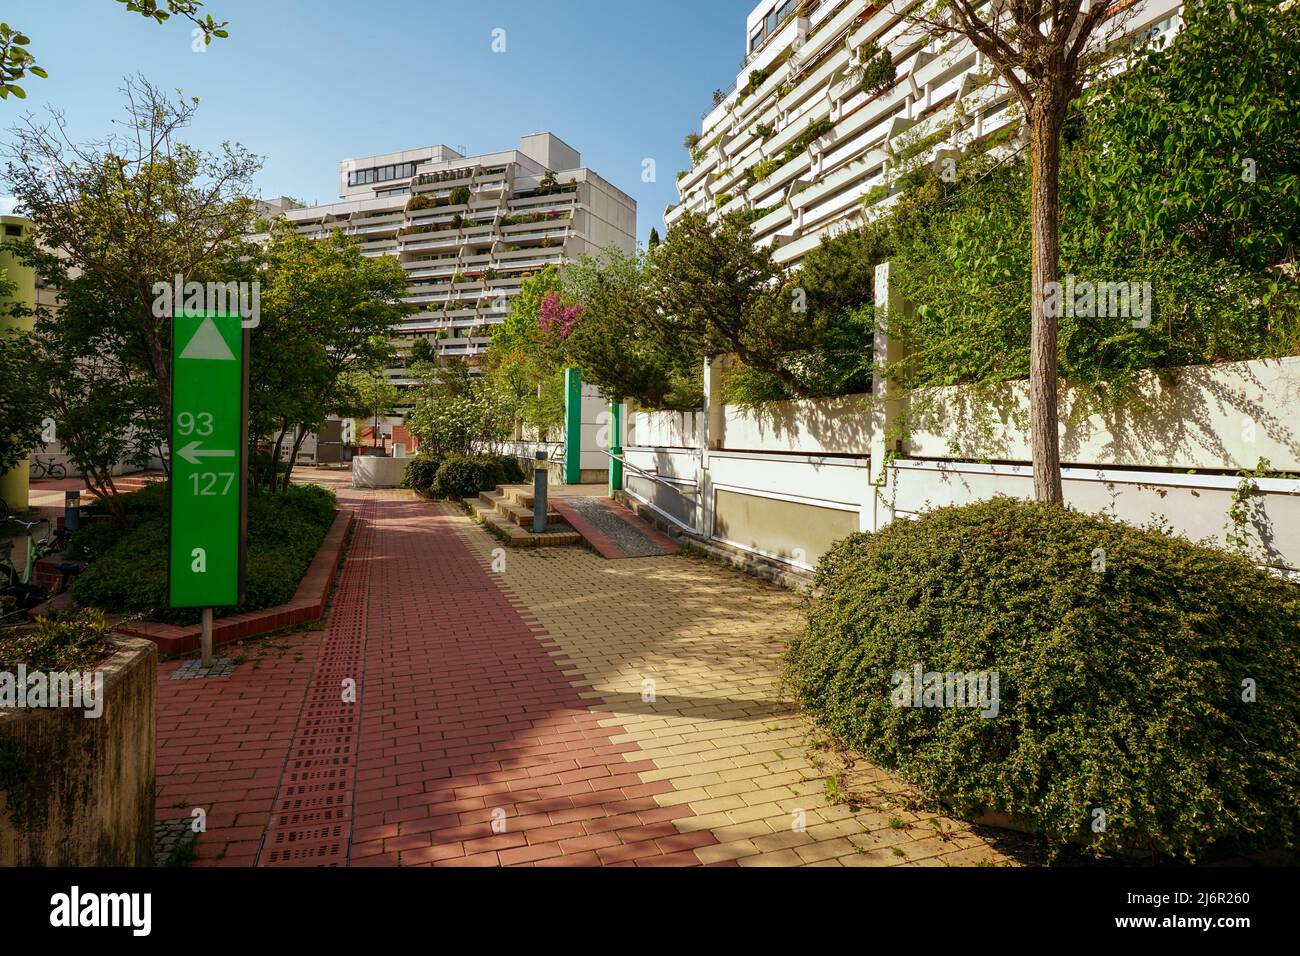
x=786 y=481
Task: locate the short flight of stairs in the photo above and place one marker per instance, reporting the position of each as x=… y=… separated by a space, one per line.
x=507 y=511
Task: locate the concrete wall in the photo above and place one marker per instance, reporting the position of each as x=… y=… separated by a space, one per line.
x=785 y=482
x=88 y=783
x=1216 y=417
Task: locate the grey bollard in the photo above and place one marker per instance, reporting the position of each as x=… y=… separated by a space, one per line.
x=540 y=506
x=71 y=510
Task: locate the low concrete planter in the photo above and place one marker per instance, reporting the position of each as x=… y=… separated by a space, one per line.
x=374 y=472
x=80 y=791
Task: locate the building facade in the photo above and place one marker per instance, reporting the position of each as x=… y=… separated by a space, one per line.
x=804 y=138
x=470 y=230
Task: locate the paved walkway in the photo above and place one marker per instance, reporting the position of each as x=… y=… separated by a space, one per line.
x=526 y=708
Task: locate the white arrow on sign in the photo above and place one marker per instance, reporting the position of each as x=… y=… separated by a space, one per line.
x=193 y=452
x=208 y=344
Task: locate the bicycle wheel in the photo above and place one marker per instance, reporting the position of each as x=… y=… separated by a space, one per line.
x=58 y=471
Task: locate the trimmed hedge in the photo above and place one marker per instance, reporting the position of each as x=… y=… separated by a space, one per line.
x=421 y=473
x=285 y=530
x=1120 y=688
x=461 y=476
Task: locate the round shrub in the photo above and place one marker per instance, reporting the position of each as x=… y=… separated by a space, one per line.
x=285 y=530
x=421 y=473
x=1139 y=675
x=464 y=477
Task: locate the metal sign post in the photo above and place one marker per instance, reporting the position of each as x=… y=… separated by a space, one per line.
x=209 y=467
x=541 y=507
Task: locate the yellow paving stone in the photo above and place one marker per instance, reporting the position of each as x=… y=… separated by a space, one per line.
x=824 y=850
x=717 y=804
x=678 y=797
x=781 y=840
x=773 y=858
x=726 y=851
x=878 y=839
x=872 y=858
x=742 y=831
x=719 y=729
x=728 y=788
x=835 y=828
x=708 y=821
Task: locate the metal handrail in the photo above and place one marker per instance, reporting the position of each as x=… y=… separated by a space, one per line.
x=685 y=493
x=557 y=454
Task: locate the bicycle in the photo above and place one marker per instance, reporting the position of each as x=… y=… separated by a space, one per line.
x=17 y=584
x=46 y=469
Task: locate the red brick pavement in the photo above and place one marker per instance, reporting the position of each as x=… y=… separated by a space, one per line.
x=222 y=745
x=473 y=748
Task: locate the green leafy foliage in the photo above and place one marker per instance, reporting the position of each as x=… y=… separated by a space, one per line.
x=464 y=476
x=1171 y=206
x=22 y=395
x=613 y=342
x=285 y=529
x=878 y=70
x=63 y=641
x=1123 y=685
x=324 y=339
x=421 y=472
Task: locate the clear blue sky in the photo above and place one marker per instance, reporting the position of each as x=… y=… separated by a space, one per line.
x=306 y=83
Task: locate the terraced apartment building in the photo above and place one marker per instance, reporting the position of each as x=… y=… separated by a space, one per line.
x=810 y=131
x=469 y=230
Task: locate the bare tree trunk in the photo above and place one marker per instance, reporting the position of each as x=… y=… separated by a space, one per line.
x=1045 y=209
x=274 y=480
x=103 y=488
x=293 y=455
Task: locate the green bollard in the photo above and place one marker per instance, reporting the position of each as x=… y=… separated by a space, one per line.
x=572 y=426
x=616 y=447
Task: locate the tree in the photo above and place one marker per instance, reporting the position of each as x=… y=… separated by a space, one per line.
x=1044 y=51
x=136 y=209
x=21 y=391
x=422 y=350
x=609 y=338
x=1173 y=205
x=101 y=398
x=520 y=366
x=365 y=394
x=326 y=311
x=454 y=412
x=653 y=243
x=715 y=293
x=16 y=61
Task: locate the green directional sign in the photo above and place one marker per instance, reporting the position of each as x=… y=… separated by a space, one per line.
x=209 y=438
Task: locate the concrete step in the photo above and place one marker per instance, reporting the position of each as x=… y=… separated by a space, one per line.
x=517 y=536
x=520 y=514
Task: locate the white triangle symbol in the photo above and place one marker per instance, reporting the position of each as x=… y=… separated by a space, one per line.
x=208 y=344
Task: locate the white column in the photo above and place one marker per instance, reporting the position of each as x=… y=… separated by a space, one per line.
x=886 y=407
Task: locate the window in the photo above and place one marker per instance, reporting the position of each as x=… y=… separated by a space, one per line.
x=756 y=40
x=12 y=230
x=382 y=174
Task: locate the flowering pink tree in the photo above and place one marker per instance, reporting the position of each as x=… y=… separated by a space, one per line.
x=557 y=319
